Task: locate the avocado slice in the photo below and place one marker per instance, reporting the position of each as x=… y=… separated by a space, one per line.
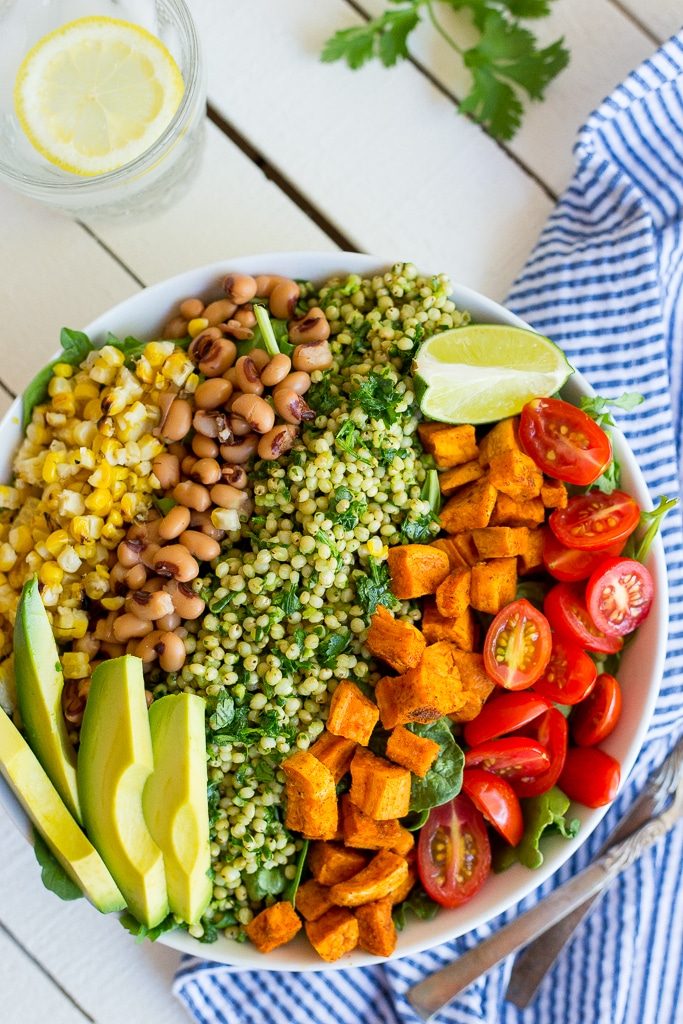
x=114 y=762
x=175 y=801
x=39 y=684
x=44 y=806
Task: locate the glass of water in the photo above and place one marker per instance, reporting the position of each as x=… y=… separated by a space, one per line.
x=155 y=178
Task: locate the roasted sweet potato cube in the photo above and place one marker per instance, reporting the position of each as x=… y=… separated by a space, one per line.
x=451 y=546
x=470 y=508
x=458 y=476
x=335 y=752
x=405 y=843
x=417 y=753
x=313 y=899
x=394 y=641
x=554 y=494
x=311 y=796
x=381 y=789
x=416 y=569
x=494 y=584
x=509 y=512
x=402 y=890
x=464 y=543
x=352 y=714
x=427 y=429
x=501 y=541
x=273 y=927
x=477 y=686
x=376 y=928
x=531 y=560
x=450 y=446
x=514 y=473
x=424 y=693
x=501 y=438
x=362 y=831
x=330 y=863
x=463 y=632
x=384 y=873
x=333 y=934
x=453 y=595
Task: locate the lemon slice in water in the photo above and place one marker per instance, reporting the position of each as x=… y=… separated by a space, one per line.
x=485 y=372
x=96 y=93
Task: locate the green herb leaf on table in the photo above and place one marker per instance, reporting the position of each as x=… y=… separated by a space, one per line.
x=443 y=781
x=52 y=874
x=543 y=815
x=374 y=587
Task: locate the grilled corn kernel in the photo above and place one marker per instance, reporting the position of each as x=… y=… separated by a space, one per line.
x=96 y=586
x=157 y=352
x=225 y=519
x=68 y=560
x=85 y=389
x=21 y=539
x=196 y=326
x=112 y=604
x=92 y=410
x=64 y=370
x=102 y=477
x=56 y=542
x=112 y=535
x=51 y=574
x=75 y=665
x=115 y=518
x=9 y=497
x=52 y=461
x=100 y=501
x=129 y=505
x=86 y=528
x=8 y=557
x=70 y=503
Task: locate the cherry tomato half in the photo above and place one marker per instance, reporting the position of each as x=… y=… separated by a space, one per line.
x=504 y=713
x=453 y=852
x=590 y=776
x=563 y=441
x=595 y=718
x=517 y=646
x=550 y=730
x=569 y=676
x=569 y=564
x=565 y=608
x=593 y=521
x=516 y=758
x=497 y=801
x=619 y=595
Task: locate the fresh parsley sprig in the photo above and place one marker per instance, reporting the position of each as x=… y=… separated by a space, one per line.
x=598 y=408
x=505 y=61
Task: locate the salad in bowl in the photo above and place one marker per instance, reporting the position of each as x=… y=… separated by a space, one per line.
x=315 y=579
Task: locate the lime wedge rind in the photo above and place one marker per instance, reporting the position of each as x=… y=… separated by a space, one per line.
x=485 y=372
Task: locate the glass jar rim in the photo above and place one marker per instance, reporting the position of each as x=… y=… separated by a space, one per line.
x=83 y=184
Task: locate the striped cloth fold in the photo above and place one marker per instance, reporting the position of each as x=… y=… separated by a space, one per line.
x=606 y=282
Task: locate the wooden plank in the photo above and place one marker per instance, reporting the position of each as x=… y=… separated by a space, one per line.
x=28 y=994
x=94 y=959
x=381 y=154
x=662 y=17
x=545 y=140
x=230 y=209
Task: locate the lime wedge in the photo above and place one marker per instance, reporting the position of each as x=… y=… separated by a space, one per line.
x=485 y=372
x=96 y=93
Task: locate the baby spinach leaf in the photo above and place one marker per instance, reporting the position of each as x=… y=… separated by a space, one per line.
x=142 y=932
x=543 y=815
x=415 y=820
x=52 y=874
x=75 y=346
x=417 y=903
x=444 y=779
x=293 y=887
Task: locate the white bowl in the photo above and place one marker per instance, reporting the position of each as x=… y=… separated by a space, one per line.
x=640 y=673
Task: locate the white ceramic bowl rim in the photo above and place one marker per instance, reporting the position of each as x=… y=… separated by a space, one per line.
x=642 y=665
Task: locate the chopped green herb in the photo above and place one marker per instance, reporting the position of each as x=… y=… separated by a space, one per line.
x=349 y=440
x=287 y=600
x=354 y=508
x=377 y=397
x=374 y=587
x=330 y=649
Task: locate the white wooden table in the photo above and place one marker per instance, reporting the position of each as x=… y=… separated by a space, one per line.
x=300 y=156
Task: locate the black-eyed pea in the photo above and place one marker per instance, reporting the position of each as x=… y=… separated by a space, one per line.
x=88 y=644
x=192 y=495
x=239 y=427
x=283 y=298
x=276 y=370
x=149 y=607
x=202 y=521
x=231 y=376
x=276 y=442
x=217 y=312
x=255 y=412
x=204 y=447
x=236 y=476
x=174 y=522
x=297 y=381
x=259 y=358
x=153 y=584
x=312 y=355
x=146 y=648
x=171 y=651
x=265 y=284
x=201 y=343
x=212 y=355
x=203 y=548
x=247 y=376
x=213 y=423
x=117 y=578
x=129 y=552
x=168 y=623
x=292 y=407
x=149 y=553
x=212 y=393
x=188 y=464
x=178 y=420
x=237 y=454
x=175 y=562
x=236 y=329
x=227 y=496
x=245 y=317
x=175 y=329
x=128 y=627
x=135 y=577
x=186 y=603
x=206 y=471
x=190 y=309
x=313 y=326
x=239 y=288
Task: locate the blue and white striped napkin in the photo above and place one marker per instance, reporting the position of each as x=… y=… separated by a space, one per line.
x=606 y=282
